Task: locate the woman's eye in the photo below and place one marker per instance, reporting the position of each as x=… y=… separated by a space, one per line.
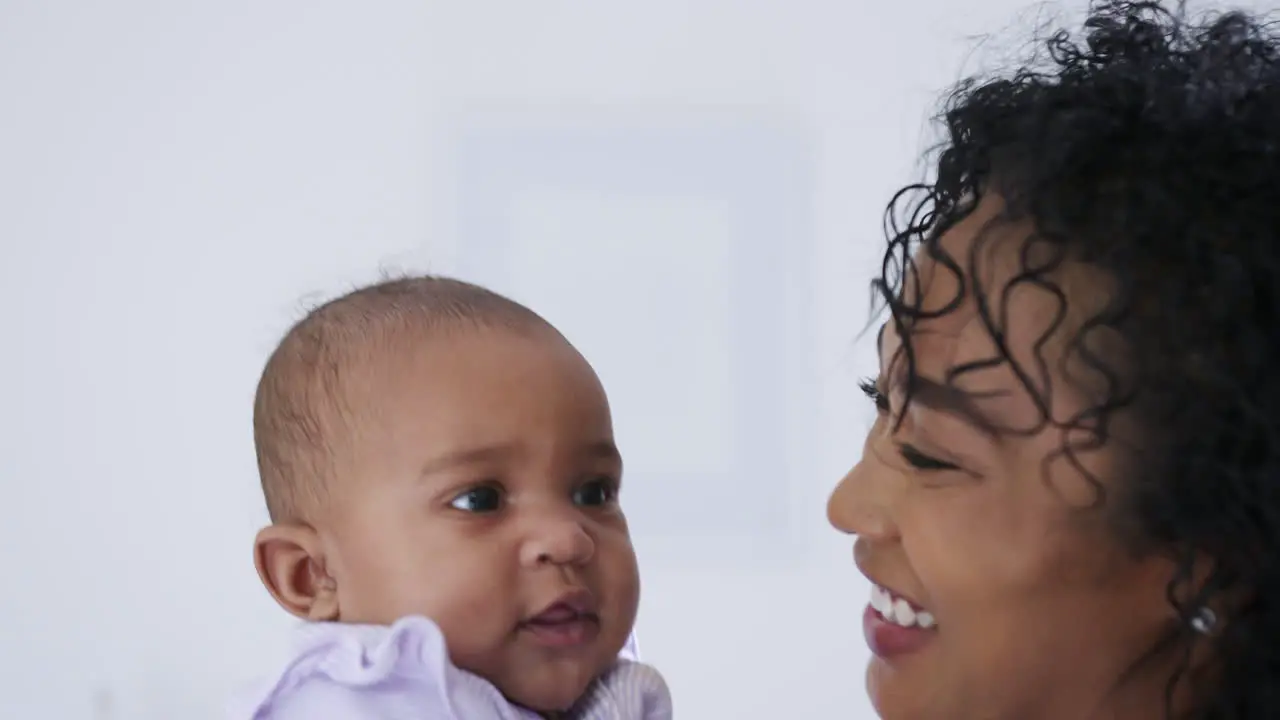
x=873 y=393
x=483 y=499
x=595 y=493
x=920 y=461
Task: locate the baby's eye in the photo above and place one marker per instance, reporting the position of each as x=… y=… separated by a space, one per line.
x=482 y=499
x=601 y=491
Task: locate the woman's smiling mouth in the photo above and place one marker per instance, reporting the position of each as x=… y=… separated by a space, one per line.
x=896 y=626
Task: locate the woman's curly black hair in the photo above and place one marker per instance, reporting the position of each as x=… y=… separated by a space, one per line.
x=1146 y=147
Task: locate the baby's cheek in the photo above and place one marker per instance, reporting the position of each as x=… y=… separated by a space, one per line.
x=617 y=571
x=383 y=583
x=372 y=596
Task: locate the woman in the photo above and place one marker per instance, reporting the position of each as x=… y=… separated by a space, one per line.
x=1070 y=504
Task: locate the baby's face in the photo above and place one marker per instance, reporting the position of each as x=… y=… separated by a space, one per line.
x=484 y=496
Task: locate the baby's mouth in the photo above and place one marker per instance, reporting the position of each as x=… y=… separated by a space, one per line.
x=569 y=621
x=562 y=626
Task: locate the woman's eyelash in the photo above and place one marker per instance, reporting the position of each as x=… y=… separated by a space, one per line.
x=920 y=461
x=869 y=388
x=910 y=454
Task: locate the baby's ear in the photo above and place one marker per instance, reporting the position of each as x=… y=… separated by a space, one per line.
x=291 y=562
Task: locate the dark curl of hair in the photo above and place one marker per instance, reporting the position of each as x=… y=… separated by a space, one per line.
x=1146 y=147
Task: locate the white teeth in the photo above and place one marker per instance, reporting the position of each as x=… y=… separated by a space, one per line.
x=899 y=611
x=903 y=614
x=881 y=601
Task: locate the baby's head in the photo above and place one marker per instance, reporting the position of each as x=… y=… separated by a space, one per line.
x=428 y=447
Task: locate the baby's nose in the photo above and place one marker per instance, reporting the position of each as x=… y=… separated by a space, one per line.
x=557 y=540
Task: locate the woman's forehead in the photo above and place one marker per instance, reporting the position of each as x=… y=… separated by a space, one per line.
x=941 y=345
x=1009 y=281
x=1007 y=331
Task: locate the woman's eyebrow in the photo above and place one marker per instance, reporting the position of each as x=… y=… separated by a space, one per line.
x=954 y=401
x=945 y=397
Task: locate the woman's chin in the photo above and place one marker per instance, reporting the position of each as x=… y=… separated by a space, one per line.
x=893 y=693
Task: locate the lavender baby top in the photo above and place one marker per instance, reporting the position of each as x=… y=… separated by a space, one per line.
x=403 y=672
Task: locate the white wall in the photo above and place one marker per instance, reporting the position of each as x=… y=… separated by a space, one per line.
x=178 y=178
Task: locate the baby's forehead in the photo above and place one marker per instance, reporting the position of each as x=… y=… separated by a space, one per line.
x=474 y=387
x=447 y=359
x=343 y=365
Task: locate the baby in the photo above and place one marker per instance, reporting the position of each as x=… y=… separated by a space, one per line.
x=440 y=470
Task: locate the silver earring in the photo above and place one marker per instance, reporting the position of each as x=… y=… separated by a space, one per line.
x=1203 y=621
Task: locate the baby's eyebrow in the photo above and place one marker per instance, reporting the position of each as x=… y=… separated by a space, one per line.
x=600 y=449
x=605 y=449
x=467 y=456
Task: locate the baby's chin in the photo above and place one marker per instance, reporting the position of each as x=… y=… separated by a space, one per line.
x=546 y=699
x=555 y=690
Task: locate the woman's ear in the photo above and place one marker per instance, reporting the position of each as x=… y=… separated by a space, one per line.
x=291 y=563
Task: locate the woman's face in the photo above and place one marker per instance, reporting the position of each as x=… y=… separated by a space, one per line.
x=976 y=534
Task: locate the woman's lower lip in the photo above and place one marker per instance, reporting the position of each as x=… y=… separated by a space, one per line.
x=888 y=640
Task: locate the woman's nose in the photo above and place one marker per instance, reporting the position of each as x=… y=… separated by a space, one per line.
x=860 y=504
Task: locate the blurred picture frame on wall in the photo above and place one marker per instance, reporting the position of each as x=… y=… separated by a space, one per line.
x=673 y=248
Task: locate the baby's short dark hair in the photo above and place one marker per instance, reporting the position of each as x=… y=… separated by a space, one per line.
x=303 y=408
